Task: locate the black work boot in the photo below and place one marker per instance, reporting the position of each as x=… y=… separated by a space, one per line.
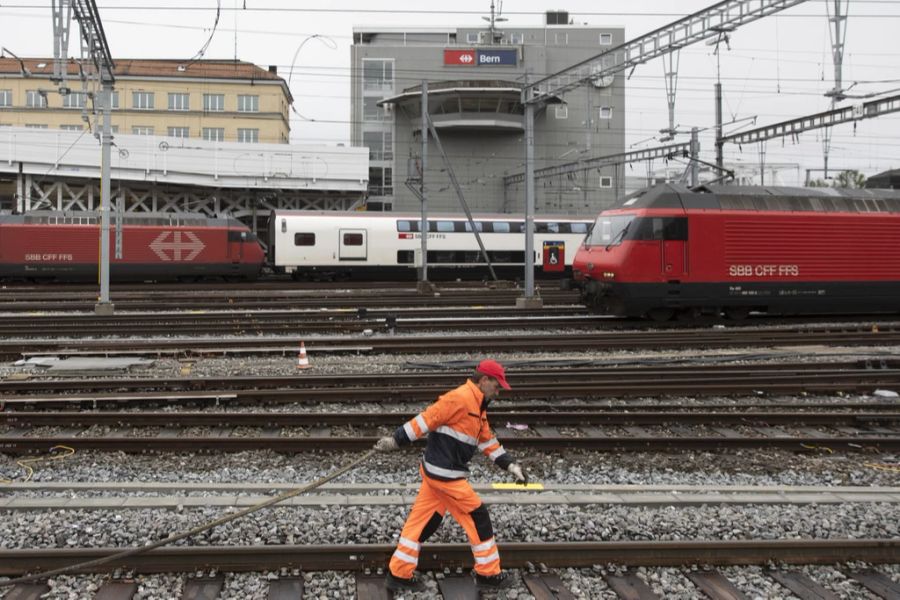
x=499 y=581
x=413 y=584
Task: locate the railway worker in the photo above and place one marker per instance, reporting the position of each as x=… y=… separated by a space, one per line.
x=456 y=426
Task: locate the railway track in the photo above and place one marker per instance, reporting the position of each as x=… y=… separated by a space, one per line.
x=286 y=322
x=546 y=385
x=535 y=419
x=275 y=299
x=597 y=342
x=359 y=557
x=367 y=560
x=343 y=320
x=878 y=433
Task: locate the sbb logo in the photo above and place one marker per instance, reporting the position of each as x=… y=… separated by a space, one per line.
x=459 y=58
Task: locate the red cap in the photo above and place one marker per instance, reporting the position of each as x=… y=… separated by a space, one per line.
x=492 y=368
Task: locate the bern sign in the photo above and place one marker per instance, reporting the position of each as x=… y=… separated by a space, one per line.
x=481 y=58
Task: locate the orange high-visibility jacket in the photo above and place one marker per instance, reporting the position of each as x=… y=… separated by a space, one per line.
x=456 y=425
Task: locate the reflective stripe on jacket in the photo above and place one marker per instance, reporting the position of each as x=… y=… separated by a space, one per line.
x=456 y=426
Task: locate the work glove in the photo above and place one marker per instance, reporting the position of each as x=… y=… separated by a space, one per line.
x=519 y=473
x=387 y=444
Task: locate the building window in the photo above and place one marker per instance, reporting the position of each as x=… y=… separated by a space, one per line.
x=35 y=99
x=115 y=100
x=248 y=103
x=35 y=126
x=378 y=74
x=561 y=38
x=214 y=102
x=517 y=38
x=381 y=181
x=562 y=111
x=142 y=130
x=179 y=132
x=214 y=134
x=380 y=145
x=71 y=127
x=179 y=102
x=606 y=39
x=250 y=136
x=5 y=97
x=605 y=181
x=142 y=100
x=73 y=100
x=606 y=112
x=373 y=112
x=472 y=38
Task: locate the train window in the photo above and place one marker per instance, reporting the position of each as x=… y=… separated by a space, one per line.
x=500 y=227
x=609 y=230
x=578 y=227
x=479 y=226
x=353 y=239
x=408 y=226
x=675 y=228
x=442 y=226
x=447 y=256
x=540 y=227
x=304 y=239
x=405 y=257
x=517 y=227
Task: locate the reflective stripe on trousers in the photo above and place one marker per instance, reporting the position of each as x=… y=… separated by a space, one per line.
x=459 y=499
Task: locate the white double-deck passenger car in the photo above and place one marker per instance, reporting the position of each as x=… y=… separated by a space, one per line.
x=365 y=245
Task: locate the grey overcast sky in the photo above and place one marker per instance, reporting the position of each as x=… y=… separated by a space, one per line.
x=776 y=69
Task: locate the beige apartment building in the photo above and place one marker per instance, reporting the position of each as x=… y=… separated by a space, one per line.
x=214 y=100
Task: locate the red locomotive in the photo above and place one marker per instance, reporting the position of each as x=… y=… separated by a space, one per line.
x=670 y=251
x=65 y=246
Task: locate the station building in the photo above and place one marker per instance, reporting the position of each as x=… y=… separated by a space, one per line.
x=210 y=136
x=474 y=78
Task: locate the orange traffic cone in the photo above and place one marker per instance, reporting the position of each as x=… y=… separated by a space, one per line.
x=302 y=359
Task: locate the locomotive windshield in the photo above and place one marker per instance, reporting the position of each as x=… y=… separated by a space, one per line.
x=608 y=230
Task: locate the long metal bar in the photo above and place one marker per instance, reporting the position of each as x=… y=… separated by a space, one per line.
x=423 y=197
x=602 y=161
x=529 y=201
x=537 y=416
x=357 y=557
x=602 y=443
x=88 y=18
x=829 y=118
x=704 y=24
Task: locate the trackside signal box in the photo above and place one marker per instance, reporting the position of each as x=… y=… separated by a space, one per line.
x=554 y=256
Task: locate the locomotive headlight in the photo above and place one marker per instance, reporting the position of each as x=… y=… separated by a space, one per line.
x=609 y=275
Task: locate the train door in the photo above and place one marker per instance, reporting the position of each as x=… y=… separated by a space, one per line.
x=352 y=244
x=674 y=247
x=236 y=245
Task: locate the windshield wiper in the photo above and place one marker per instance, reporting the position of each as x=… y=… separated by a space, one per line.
x=619 y=237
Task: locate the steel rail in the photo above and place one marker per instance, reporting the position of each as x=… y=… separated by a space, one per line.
x=369 y=419
x=324 y=324
x=603 y=341
x=419 y=377
x=359 y=557
x=865 y=443
x=825 y=384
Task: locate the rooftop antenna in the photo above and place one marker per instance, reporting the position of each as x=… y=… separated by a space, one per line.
x=493 y=19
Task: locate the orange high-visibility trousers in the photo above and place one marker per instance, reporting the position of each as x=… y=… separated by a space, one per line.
x=436 y=498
